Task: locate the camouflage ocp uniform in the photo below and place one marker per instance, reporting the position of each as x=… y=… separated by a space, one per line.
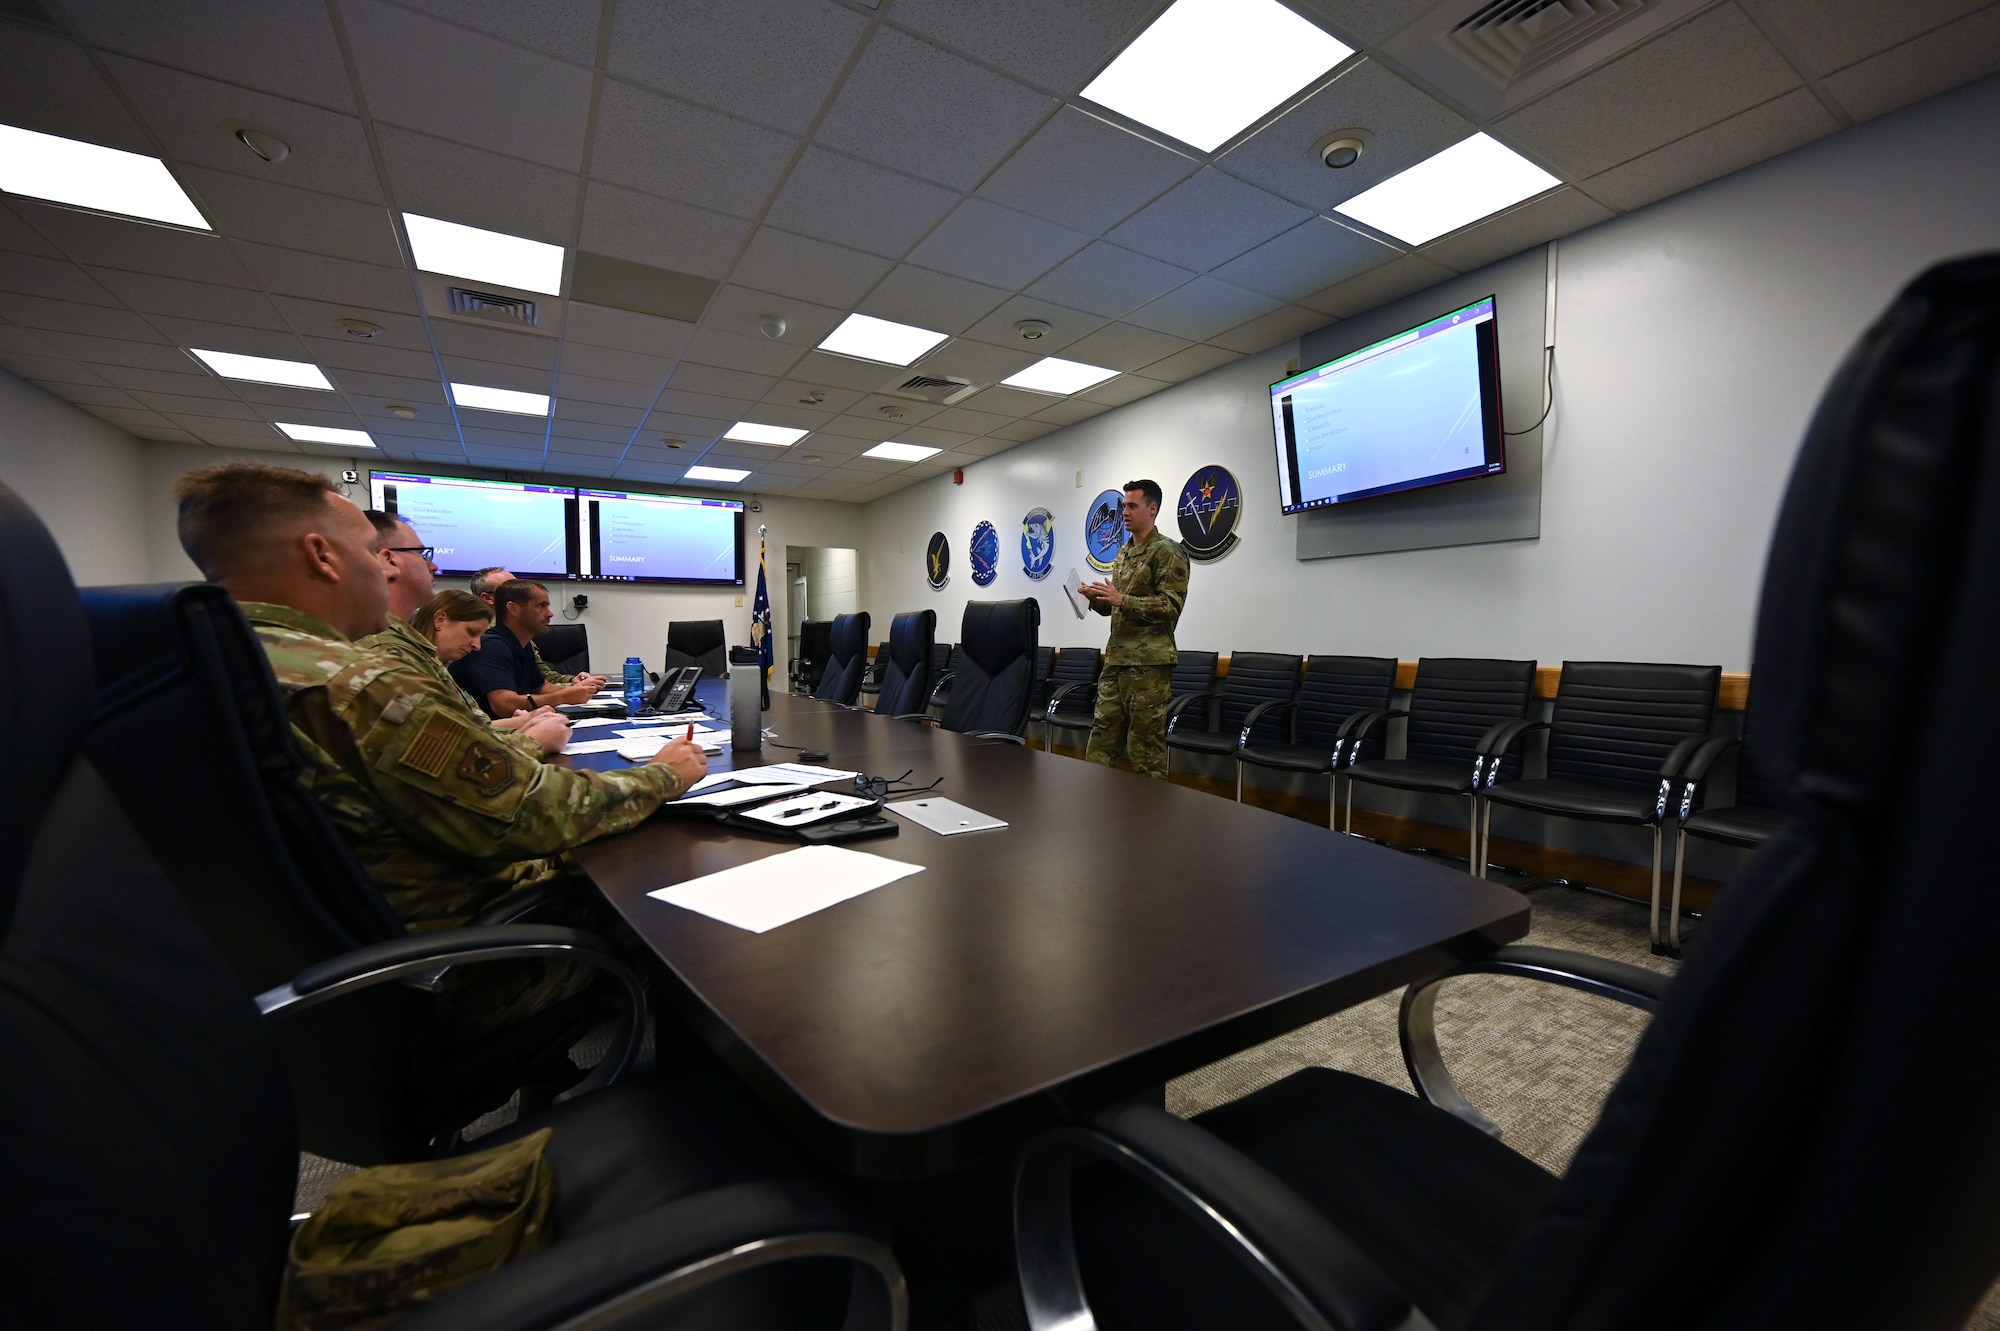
x=549 y=672
x=1132 y=693
x=413 y=649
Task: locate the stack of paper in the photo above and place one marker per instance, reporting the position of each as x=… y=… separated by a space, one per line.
x=781 y=888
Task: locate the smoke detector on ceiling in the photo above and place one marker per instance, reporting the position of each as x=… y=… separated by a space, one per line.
x=264 y=143
x=1341 y=149
x=894 y=413
x=1032 y=330
x=402 y=413
x=771 y=326
x=361 y=328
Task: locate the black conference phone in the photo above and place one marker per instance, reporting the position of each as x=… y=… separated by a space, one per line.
x=672 y=692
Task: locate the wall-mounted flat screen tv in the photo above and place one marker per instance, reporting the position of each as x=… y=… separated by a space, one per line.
x=628 y=537
x=1419 y=408
x=529 y=530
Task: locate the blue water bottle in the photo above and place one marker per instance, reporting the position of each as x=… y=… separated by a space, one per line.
x=635 y=684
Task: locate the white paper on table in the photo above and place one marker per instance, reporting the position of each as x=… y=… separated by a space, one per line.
x=651 y=732
x=781 y=888
x=723 y=799
x=639 y=750
x=805 y=810
x=580 y=722
x=778 y=773
x=594 y=745
x=1073 y=588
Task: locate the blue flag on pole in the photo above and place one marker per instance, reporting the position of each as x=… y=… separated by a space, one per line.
x=760 y=627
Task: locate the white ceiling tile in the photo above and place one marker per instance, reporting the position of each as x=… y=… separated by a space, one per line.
x=228 y=337
x=1308 y=258
x=247 y=209
x=773 y=61
x=609 y=438
x=926 y=299
x=325 y=405
x=1085 y=173
x=738 y=310
x=51 y=371
x=1402 y=126
x=797 y=395
x=918 y=109
x=1931 y=64
x=20 y=342
x=1196 y=360
x=1054 y=44
x=987 y=243
x=429 y=76
x=1022 y=431
x=850 y=202
x=818 y=367
x=104 y=396
x=628 y=225
x=691 y=377
x=387 y=388
x=932 y=437
x=625 y=330
x=152 y=294
x=189 y=382
x=114 y=243
x=1207 y=219
x=17 y=237
x=567 y=28
x=47 y=83
x=661 y=146
x=1108 y=280
x=1125 y=347
x=1066 y=325
x=315 y=318
x=352 y=354
x=981 y=362
x=755 y=355
x=1557 y=213
x=497 y=374
x=206 y=408
x=1070 y=410
x=570 y=412
x=788 y=414
x=1833 y=34
x=132 y=420
x=321 y=277
x=1765 y=131
x=729 y=410
x=436 y=178
x=1267 y=331
x=1590 y=125
x=285 y=47
x=1377 y=286
x=495 y=344
x=1010 y=402
x=633 y=367
x=809 y=269
x=115 y=351
x=196 y=121
x=1200 y=309
x=967 y=421
x=50 y=279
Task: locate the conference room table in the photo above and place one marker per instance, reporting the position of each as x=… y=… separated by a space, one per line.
x=1118 y=932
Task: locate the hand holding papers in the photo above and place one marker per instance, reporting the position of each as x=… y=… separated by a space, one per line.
x=1073 y=588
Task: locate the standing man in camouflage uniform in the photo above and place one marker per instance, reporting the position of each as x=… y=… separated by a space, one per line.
x=1144 y=596
x=484 y=584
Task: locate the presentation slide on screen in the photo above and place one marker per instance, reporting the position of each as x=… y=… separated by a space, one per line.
x=658 y=536
x=480 y=524
x=1406 y=411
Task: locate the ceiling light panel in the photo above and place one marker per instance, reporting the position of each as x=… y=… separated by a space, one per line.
x=902 y=452
x=326 y=434
x=1052 y=374
x=1206 y=69
x=85 y=175
x=262 y=369
x=1473 y=178
x=506 y=400
x=720 y=475
x=868 y=338
x=455 y=250
x=778 y=436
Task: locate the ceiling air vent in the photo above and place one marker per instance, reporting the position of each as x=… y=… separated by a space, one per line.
x=937 y=389
x=1510 y=38
x=486 y=305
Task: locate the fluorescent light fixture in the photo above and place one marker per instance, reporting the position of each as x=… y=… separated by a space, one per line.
x=1473 y=178
x=723 y=475
x=865 y=337
x=325 y=434
x=1052 y=374
x=500 y=399
x=85 y=175
x=262 y=369
x=749 y=432
x=1207 y=68
x=477 y=255
x=901 y=452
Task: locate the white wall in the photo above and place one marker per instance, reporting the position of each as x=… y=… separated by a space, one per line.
x=833 y=579
x=81 y=475
x=1693 y=340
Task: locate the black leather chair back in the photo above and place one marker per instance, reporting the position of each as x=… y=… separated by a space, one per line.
x=1809 y=1132
x=1335 y=688
x=996 y=669
x=1194 y=672
x=1076 y=665
x=906 y=680
x=815 y=642
x=698 y=642
x=1457 y=699
x=566 y=648
x=1615 y=722
x=1259 y=677
x=127 y=1049
x=1038 y=693
x=942 y=656
x=846 y=660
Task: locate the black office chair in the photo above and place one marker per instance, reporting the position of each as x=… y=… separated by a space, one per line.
x=130 y=1053
x=815 y=640
x=1072 y=703
x=846 y=660
x=1334 y=693
x=1756 y=815
x=996 y=663
x=1808 y=1135
x=871 y=679
x=566 y=648
x=906 y=680
x=1458 y=707
x=953 y=657
x=184 y=688
x=698 y=642
x=1194 y=692
x=1620 y=733
x=1254 y=679
x=1038 y=692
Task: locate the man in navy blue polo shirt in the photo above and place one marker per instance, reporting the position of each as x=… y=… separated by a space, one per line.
x=505 y=675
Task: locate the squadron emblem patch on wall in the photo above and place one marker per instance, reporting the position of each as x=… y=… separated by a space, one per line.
x=1104 y=533
x=1038 y=543
x=1211 y=506
x=937 y=561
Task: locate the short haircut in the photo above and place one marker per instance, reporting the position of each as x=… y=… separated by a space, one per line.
x=385 y=526
x=518 y=591
x=482 y=581
x=463 y=607
x=236 y=513
x=1151 y=489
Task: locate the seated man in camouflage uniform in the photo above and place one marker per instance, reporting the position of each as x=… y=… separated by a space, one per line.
x=1144 y=596
x=487 y=581
x=444 y=816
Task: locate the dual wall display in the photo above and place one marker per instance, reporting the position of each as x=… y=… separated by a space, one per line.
x=559 y=531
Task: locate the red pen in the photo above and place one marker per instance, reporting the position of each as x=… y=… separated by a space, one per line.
x=690 y=734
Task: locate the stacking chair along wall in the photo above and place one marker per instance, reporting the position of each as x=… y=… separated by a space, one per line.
x=846 y=660
x=871 y=679
x=953 y=658
x=698 y=642
x=1334 y=693
x=1458 y=709
x=1620 y=733
x=1753 y=819
x=906 y=678
x=566 y=647
x=996 y=663
x=814 y=635
x=1254 y=679
x=1193 y=691
x=1038 y=692
x=1807 y=1134
x=943 y=655
x=1072 y=701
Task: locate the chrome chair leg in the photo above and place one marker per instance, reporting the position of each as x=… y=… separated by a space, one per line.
x=1472 y=856
x=1674 y=914
x=1333 y=801
x=1485 y=834
x=1659 y=949
x=1239 y=780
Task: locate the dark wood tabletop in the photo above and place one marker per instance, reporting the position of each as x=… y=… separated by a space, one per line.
x=1119 y=932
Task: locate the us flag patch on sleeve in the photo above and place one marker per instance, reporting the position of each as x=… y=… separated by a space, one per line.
x=433 y=746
